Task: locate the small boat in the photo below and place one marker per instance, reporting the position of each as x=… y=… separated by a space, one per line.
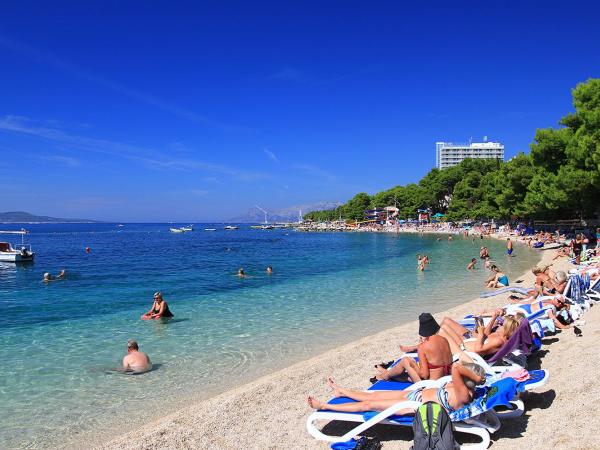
x=210 y=229
x=176 y=230
x=188 y=228
x=10 y=254
x=120 y=225
x=231 y=227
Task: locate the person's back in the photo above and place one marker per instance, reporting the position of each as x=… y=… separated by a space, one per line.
x=439 y=356
x=135 y=360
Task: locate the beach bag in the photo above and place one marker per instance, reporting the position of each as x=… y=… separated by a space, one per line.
x=432 y=429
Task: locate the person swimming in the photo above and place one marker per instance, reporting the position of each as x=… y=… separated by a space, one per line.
x=270 y=270
x=241 y=273
x=471 y=265
x=48 y=277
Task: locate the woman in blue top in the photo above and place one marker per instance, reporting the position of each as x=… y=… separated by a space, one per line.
x=497 y=279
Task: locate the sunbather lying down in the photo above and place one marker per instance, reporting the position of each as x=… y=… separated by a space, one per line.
x=452 y=396
x=554 y=306
x=487 y=340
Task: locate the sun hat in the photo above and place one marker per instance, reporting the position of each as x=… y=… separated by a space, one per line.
x=427 y=325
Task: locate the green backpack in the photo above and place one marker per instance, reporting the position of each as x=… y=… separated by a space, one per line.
x=432 y=429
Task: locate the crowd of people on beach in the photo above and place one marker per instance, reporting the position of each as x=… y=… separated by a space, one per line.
x=462 y=353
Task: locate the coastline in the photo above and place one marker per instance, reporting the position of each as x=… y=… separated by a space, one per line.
x=270 y=412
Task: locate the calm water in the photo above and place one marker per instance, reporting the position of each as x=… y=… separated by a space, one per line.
x=57 y=340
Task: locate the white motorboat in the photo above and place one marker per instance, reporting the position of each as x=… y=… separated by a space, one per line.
x=176 y=230
x=10 y=254
x=231 y=227
x=188 y=228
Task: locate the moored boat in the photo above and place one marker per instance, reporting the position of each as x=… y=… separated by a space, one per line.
x=231 y=227
x=8 y=253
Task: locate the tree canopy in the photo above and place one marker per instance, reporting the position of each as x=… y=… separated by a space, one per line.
x=559 y=178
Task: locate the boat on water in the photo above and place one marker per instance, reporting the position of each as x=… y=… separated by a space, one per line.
x=231 y=227
x=176 y=230
x=120 y=225
x=188 y=228
x=210 y=229
x=8 y=253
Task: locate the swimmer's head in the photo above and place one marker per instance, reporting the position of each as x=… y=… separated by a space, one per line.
x=132 y=345
x=158 y=296
x=46 y=276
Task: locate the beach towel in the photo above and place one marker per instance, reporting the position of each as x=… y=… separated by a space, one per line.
x=518 y=290
x=520 y=340
x=499 y=393
x=519 y=374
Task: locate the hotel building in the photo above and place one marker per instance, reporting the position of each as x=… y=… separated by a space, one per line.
x=448 y=154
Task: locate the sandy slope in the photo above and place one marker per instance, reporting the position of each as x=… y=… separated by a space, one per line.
x=270 y=413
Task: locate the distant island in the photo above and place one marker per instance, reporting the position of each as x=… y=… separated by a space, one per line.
x=25 y=217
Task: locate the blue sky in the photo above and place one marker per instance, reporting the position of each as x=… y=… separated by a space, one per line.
x=195 y=111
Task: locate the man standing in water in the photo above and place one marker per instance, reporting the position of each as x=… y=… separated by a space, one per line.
x=135 y=361
x=509 y=247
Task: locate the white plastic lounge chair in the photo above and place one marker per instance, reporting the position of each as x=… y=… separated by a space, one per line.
x=478 y=418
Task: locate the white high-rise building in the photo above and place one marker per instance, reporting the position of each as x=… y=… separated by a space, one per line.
x=448 y=154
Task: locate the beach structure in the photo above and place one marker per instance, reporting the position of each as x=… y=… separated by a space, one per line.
x=448 y=154
x=381 y=215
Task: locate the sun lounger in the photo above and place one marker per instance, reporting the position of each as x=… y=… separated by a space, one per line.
x=477 y=418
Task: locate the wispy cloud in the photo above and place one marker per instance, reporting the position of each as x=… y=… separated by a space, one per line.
x=145 y=156
x=142 y=97
x=272 y=156
x=64 y=160
x=315 y=172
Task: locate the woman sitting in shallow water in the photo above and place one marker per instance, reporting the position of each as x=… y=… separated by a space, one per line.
x=452 y=396
x=159 y=309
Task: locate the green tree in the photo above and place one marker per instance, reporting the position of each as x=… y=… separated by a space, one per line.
x=355 y=208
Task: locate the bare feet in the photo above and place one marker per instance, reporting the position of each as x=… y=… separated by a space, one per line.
x=382 y=374
x=333 y=385
x=314 y=403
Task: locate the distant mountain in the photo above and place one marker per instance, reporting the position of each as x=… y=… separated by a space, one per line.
x=25 y=217
x=289 y=214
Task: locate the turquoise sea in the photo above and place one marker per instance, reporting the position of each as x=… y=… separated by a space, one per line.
x=57 y=340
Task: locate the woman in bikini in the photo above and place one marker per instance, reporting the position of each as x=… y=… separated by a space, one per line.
x=453 y=395
x=488 y=339
x=435 y=357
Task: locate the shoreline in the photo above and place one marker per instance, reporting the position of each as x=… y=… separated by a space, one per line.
x=273 y=406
